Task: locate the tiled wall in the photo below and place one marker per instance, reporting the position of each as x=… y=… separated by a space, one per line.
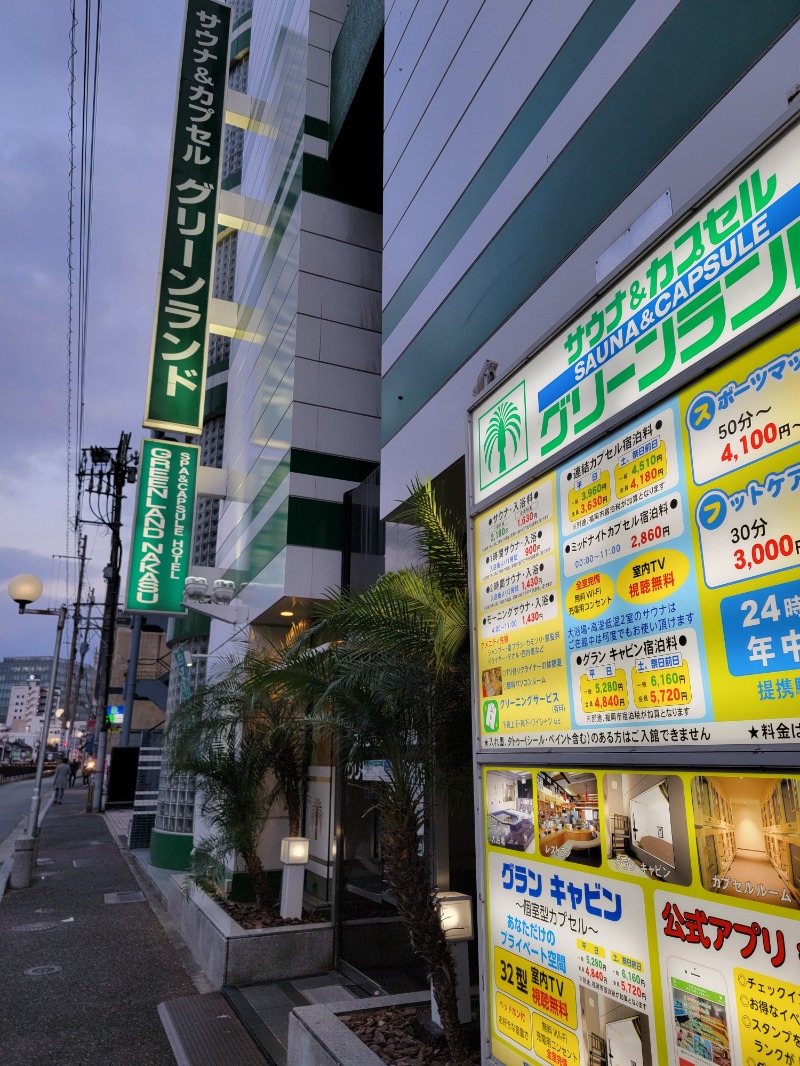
x=522 y=140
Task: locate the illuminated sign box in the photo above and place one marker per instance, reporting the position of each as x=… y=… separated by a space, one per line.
x=176 y=383
x=115 y=716
x=161 y=542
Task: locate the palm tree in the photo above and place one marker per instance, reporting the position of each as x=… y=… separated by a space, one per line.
x=505 y=425
x=216 y=736
x=235 y=735
x=388 y=671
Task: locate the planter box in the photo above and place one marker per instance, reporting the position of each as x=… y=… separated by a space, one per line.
x=230 y=955
x=318 y=1038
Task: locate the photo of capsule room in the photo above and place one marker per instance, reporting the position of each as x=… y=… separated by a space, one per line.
x=646 y=832
x=613 y=1034
x=509 y=810
x=748 y=837
x=569 y=819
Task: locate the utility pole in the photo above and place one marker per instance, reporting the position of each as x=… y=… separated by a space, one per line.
x=130 y=680
x=105 y=476
x=73 y=648
x=72 y=710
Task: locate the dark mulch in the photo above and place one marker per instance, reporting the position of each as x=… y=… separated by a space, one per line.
x=260 y=914
x=257 y=916
x=399 y=1037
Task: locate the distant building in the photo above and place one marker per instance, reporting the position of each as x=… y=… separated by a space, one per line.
x=26 y=704
x=15 y=671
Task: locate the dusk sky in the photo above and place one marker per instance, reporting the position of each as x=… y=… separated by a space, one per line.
x=138 y=72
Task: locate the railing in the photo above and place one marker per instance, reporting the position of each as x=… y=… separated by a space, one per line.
x=14 y=771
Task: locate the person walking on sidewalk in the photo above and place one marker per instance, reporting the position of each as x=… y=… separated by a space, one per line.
x=74 y=766
x=60 y=780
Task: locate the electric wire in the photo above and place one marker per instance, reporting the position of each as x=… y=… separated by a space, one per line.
x=79 y=247
x=70 y=269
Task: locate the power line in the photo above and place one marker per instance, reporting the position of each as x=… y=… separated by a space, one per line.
x=70 y=230
x=80 y=236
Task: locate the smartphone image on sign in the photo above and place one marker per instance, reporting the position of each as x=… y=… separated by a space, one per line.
x=699 y=1014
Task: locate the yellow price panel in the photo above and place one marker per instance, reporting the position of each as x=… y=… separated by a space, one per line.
x=662 y=688
x=548 y=992
x=627 y=962
x=764 y=1032
x=604 y=693
x=592 y=949
x=513 y=1020
x=590 y=498
x=642 y=471
x=555 y=1044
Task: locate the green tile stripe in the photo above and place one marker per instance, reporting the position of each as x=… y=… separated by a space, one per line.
x=316 y=127
x=314 y=523
x=232 y=180
x=246 y=17
x=324 y=464
x=579 y=49
x=302 y=461
x=216 y=399
x=299 y=522
x=693 y=60
x=239 y=45
x=277 y=476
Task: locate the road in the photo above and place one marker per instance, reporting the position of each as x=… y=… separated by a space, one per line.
x=15 y=805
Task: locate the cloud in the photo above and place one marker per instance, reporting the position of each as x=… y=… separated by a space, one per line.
x=24 y=634
x=138 y=73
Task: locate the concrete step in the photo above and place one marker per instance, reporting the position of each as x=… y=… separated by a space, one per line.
x=204 y=1030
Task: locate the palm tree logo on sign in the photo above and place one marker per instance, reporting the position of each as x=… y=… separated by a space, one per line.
x=503 y=436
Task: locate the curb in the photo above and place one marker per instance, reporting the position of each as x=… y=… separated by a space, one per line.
x=5 y=874
x=11 y=839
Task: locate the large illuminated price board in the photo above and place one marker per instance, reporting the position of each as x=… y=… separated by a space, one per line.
x=647 y=591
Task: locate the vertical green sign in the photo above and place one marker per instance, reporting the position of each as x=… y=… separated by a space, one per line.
x=176 y=383
x=162 y=529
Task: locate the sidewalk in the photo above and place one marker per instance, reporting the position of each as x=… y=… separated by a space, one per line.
x=90 y=956
x=85 y=961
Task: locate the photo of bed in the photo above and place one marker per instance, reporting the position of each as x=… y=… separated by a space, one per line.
x=509 y=810
x=613 y=1034
x=646 y=832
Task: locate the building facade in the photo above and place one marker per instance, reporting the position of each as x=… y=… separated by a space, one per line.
x=16 y=671
x=547 y=173
x=430 y=194
x=292 y=400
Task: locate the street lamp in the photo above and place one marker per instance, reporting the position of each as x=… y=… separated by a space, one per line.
x=25 y=589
